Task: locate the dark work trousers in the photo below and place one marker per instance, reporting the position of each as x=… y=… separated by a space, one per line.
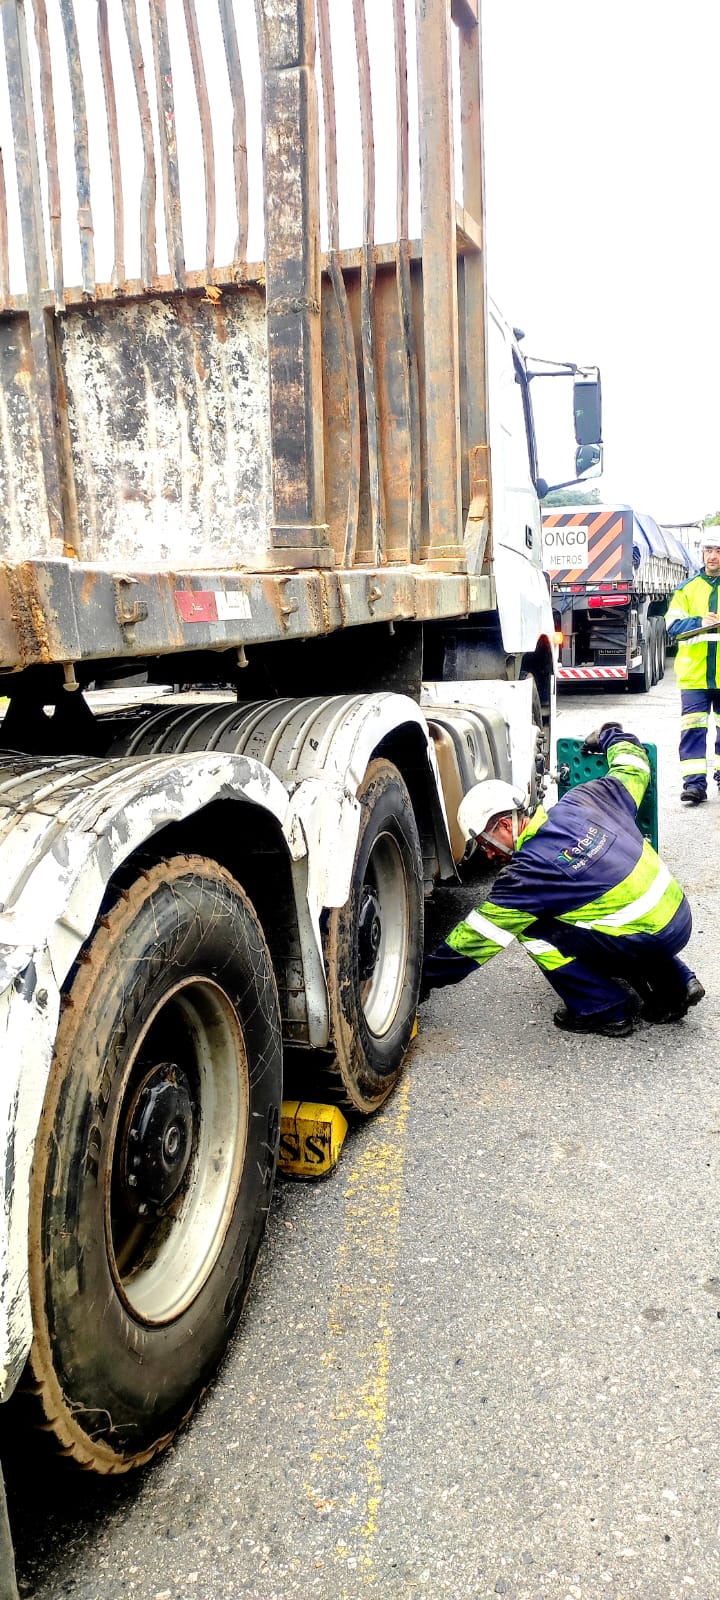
x=695 y=708
x=608 y=971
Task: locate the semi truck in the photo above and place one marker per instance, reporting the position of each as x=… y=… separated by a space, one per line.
x=690 y=536
x=271 y=604
x=612 y=571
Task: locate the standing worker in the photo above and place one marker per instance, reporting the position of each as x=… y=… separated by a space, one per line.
x=695 y=605
x=585 y=894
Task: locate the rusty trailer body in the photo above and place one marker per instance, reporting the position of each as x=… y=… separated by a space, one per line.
x=245 y=460
x=214 y=455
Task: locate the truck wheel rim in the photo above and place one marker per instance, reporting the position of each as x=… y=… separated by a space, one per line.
x=382 y=934
x=178 y=1151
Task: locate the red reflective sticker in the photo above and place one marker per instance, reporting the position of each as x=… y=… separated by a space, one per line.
x=197 y=605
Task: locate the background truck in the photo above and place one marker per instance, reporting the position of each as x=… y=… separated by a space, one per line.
x=266 y=615
x=612 y=572
x=690 y=536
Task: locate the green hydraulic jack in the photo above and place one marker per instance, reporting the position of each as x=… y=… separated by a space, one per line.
x=573 y=767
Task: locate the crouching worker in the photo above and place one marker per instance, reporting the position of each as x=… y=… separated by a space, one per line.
x=586 y=896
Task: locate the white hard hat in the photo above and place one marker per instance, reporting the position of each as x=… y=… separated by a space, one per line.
x=485 y=801
x=711 y=539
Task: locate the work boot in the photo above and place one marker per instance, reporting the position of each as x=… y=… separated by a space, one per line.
x=694 y=993
x=652 y=1007
x=693 y=796
x=667 y=1016
x=592 y=1022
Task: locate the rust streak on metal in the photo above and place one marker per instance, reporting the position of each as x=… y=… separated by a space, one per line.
x=82 y=153
x=412 y=382
x=472 y=279
x=168 y=140
x=87 y=590
x=237 y=96
x=43 y=376
x=118 y=269
x=412 y=393
x=206 y=133
x=328 y=94
x=366 y=121
x=27 y=615
x=292 y=232
x=148 y=246
x=440 y=312
x=401 y=117
x=368 y=284
x=338 y=281
x=251 y=275
x=383 y=255
x=47 y=99
x=4 y=250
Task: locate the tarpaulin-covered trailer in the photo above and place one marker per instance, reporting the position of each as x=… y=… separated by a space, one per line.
x=612 y=571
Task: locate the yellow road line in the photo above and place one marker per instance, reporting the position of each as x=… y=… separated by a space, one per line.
x=357 y=1359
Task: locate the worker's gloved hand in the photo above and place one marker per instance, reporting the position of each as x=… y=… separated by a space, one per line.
x=595 y=742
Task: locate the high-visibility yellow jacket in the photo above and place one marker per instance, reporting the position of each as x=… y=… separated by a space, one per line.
x=696 y=666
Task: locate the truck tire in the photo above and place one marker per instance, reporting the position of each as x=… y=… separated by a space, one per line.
x=661 y=647
x=653 y=644
x=154 y=1162
x=374 y=948
x=640 y=682
x=536 y=782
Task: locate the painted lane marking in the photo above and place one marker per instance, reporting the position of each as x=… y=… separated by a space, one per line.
x=357 y=1360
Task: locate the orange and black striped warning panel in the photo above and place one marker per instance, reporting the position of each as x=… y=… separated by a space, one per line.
x=589 y=544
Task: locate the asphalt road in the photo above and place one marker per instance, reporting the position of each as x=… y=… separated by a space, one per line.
x=484 y=1357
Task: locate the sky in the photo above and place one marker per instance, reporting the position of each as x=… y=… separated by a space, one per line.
x=602 y=122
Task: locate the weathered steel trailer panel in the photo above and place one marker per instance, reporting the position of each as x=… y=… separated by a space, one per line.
x=321 y=410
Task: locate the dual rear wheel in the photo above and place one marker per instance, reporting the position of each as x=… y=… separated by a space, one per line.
x=654 y=650
x=374 y=948
x=660 y=648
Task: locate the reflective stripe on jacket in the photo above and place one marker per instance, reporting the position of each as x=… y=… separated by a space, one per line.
x=696 y=666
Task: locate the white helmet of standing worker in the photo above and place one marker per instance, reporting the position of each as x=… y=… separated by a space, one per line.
x=711 y=539
x=493 y=798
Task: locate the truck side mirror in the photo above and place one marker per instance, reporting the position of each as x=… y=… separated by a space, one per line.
x=587 y=405
x=588 y=460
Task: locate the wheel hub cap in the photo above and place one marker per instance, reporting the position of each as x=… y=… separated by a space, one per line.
x=369 y=932
x=158 y=1140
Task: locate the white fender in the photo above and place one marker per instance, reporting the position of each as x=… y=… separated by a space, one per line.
x=326 y=754
x=319 y=747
